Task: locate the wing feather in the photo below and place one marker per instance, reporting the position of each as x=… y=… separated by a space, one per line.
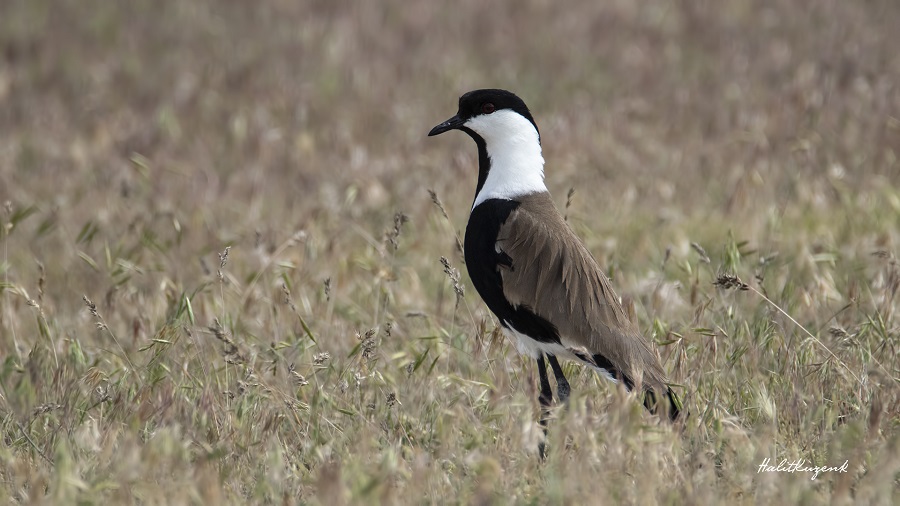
x=554 y=275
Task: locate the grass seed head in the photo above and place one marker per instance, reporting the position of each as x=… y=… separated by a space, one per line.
x=392 y=236
x=569 y=196
x=223 y=260
x=369 y=346
x=91 y=306
x=320 y=359
x=391 y=400
x=729 y=281
x=702 y=252
x=298 y=378
x=437 y=202
x=454 y=276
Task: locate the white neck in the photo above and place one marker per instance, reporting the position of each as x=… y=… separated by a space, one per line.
x=514 y=147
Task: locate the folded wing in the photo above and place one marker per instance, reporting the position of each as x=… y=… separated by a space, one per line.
x=552 y=273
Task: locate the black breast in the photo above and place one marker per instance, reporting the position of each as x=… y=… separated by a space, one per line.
x=484 y=262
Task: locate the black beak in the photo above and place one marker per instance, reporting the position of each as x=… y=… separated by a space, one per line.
x=451 y=124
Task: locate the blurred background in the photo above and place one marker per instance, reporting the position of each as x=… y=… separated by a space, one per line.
x=241 y=119
x=140 y=138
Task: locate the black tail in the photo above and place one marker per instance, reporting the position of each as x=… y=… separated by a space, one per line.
x=672 y=402
x=650 y=401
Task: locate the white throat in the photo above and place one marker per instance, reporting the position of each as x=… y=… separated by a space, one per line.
x=514 y=147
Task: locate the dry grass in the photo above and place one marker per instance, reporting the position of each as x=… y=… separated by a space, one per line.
x=222 y=275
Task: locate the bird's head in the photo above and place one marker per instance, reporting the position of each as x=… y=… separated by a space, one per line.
x=510 y=163
x=492 y=115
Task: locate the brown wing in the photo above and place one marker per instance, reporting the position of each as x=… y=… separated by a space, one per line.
x=569 y=290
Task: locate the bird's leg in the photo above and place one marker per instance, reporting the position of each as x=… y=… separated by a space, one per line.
x=545 y=398
x=562 y=386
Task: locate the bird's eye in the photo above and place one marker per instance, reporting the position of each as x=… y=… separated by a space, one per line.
x=487 y=108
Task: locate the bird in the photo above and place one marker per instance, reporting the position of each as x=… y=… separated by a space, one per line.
x=536 y=276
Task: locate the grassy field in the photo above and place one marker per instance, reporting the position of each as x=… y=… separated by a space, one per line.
x=221 y=276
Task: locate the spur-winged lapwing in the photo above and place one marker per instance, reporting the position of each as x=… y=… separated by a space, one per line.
x=550 y=295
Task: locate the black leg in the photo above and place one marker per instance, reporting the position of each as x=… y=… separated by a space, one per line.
x=674 y=403
x=653 y=404
x=562 y=386
x=545 y=398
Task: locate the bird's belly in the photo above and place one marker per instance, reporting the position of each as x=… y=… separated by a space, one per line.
x=533 y=348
